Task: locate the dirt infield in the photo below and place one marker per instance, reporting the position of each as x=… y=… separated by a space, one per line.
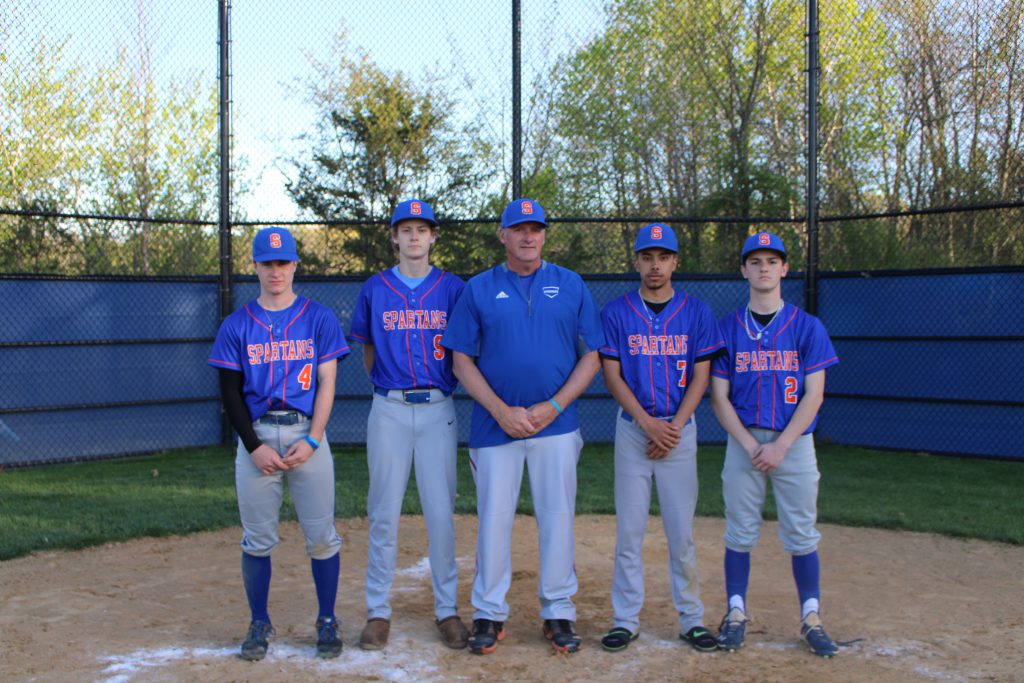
x=921 y=607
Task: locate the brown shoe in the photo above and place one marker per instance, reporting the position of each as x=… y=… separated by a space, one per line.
x=375 y=634
x=454 y=633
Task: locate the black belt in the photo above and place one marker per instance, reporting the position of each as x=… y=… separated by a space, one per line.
x=409 y=395
x=288 y=417
x=629 y=418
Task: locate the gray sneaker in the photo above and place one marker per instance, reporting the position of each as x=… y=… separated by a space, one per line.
x=813 y=633
x=254 y=647
x=732 y=630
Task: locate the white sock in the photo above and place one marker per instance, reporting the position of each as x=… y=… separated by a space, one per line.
x=736 y=602
x=809 y=606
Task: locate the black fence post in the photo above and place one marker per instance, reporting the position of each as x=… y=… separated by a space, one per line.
x=811 y=284
x=224 y=172
x=517 y=124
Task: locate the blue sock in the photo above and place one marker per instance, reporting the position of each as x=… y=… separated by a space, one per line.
x=256 y=577
x=737 y=575
x=325 y=578
x=807 y=573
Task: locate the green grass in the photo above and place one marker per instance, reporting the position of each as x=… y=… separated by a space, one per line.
x=82 y=504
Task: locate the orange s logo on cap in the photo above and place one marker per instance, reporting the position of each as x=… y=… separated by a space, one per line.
x=656 y=232
x=415 y=209
x=275 y=240
x=764 y=238
x=527 y=208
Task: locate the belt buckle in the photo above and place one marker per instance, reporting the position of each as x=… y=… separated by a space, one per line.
x=284 y=418
x=416 y=396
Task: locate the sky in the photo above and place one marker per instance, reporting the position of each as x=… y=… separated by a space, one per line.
x=273 y=41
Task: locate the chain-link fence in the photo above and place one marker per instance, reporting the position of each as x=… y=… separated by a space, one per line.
x=91 y=372
x=691 y=113
x=629 y=109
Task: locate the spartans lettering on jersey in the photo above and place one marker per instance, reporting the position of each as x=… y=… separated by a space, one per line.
x=418 y=319
x=293 y=349
x=768 y=361
x=658 y=345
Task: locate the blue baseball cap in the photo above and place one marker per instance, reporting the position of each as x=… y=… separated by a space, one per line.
x=413 y=208
x=523 y=211
x=274 y=244
x=763 y=240
x=656 y=236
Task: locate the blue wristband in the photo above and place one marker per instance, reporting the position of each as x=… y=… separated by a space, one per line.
x=312 y=442
x=555 y=404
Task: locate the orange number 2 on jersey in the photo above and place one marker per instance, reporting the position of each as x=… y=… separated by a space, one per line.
x=791 y=390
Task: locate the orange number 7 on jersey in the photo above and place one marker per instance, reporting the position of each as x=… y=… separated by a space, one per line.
x=681 y=367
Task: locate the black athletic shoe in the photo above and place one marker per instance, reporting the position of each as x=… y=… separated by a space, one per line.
x=618 y=639
x=700 y=639
x=328 y=643
x=486 y=636
x=561 y=635
x=254 y=647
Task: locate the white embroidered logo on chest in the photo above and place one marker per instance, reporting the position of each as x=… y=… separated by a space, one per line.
x=501 y=295
x=550 y=292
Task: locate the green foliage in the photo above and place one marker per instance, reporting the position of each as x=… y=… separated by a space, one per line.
x=90 y=503
x=380 y=139
x=693 y=109
x=109 y=142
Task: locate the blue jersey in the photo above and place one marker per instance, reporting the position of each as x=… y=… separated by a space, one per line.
x=526 y=343
x=766 y=375
x=657 y=352
x=405 y=327
x=278 y=353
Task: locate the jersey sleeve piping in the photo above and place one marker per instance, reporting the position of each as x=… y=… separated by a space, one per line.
x=810 y=369
x=708 y=349
x=331 y=355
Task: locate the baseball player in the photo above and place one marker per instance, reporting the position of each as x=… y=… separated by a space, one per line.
x=277 y=358
x=659 y=344
x=766 y=392
x=399 y=318
x=525 y=336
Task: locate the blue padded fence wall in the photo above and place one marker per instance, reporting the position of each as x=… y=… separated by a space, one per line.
x=103 y=367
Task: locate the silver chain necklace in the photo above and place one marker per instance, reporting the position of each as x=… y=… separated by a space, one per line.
x=648 y=311
x=270 y=321
x=752 y=324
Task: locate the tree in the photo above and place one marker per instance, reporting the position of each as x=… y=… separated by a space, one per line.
x=664 y=113
x=46 y=125
x=379 y=139
x=156 y=158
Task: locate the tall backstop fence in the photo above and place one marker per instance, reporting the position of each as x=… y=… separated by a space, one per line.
x=143 y=142
x=108 y=366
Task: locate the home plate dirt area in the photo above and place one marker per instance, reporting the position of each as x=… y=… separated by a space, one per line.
x=911 y=607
